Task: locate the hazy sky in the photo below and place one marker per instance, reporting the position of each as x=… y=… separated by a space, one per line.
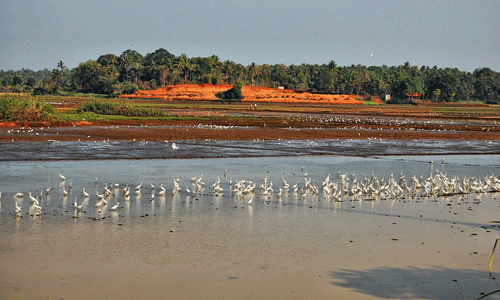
x=37 y=34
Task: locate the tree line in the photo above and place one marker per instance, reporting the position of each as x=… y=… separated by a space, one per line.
x=113 y=75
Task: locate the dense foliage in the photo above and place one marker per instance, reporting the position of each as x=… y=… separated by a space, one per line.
x=14 y=108
x=113 y=75
x=234 y=93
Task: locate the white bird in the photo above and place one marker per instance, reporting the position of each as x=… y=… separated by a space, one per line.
x=18 y=209
x=84 y=193
x=38 y=208
x=174 y=146
x=78 y=207
x=62 y=176
x=139 y=186
x=115 y=207
x=34 y=200
x=18 y=195
x=371 y=55
x=250 y=201
x=48 y=190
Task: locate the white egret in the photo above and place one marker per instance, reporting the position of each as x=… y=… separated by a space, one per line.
x=18 y=209
x=62 y=176
x=115 y=207
x=33 y=199
x=99 y=203
x=38 y=208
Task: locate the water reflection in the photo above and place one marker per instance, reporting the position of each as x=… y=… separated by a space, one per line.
x=300 y=231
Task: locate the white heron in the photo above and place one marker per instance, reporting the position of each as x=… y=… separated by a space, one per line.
x=99 y=203
x=115 y=207
x=33 y=199
x=64 y=191
x=62 y=176
x=38 y=208
x=18 y=209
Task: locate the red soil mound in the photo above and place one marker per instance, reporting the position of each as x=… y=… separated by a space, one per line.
x=251 y=94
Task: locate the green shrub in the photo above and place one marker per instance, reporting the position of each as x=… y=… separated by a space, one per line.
x=40 y=91
x=17 y=108
x=234 y=93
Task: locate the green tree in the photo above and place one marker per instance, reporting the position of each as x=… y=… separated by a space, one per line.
x=61 y=65
x=235 y=93
x=17 y=80
x=6 y=81
x=31 y=81
x=87 y=74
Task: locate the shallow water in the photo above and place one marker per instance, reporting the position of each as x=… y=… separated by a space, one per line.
x=217 y=246
x=16 y=151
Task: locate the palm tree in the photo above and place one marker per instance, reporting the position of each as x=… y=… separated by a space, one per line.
x=61 y=65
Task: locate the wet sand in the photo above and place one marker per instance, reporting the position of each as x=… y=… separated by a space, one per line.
x=217 y=246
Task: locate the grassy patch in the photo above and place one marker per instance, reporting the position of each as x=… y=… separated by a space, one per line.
x=25 y=108
x=126 y=109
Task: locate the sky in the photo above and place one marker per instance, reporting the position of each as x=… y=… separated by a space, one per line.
x=37 y=34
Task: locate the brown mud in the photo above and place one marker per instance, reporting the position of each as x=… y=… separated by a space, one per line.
x=268 y=121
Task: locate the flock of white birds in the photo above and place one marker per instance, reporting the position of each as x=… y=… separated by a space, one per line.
x=345 y=187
